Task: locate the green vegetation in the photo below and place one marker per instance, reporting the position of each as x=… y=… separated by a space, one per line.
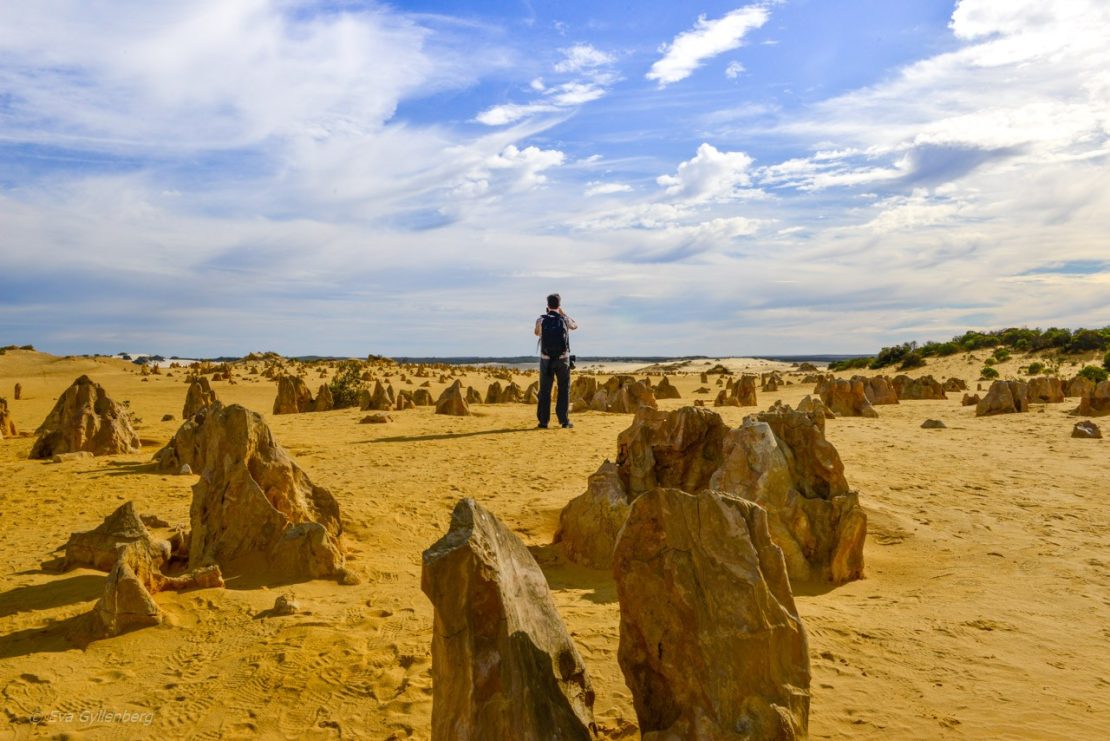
x=851 y=364
x=1095 y=373
x=988 y=373
x=1106 y=361
x=346 y=384
x=1002 y=341
x=1035 y=369
x=990 y=360
x=1001 y=354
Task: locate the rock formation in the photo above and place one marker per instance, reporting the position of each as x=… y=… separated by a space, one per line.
x=1046 y=389
x=473 y=396
x=1004 y=397
x=423 y=397
x=933 y=424
x=918 y=389
x=970 y=400
x=590 y=523
x=493 y=393
x=97 y=548
x=1086 y=430
x=324 y=402
x=1079 y=387
x=503 y=664
x=878 y=389
x=770 y=381
x=1096 y=402
x=816 y=407
x=293 y=396
x=845 y=398
x=17 y=392
x=955 y=384
x=621 y=394
x=199 y=396
x=664 y=390
x=381 y=400
x=738 y=393
x=7 y=424
x=451 y=401
x=711 y=644
x=85 y=418
x=253 y=507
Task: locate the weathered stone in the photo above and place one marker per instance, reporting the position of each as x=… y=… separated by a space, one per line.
x=451 y=401
x=918 y=389
x=285 y=604
x=97 y=548
x=293 y=396
x=1079 y=386
x=711 y=644
x=955 y=384
x=380 y=400
x=493 y=393
x=324 y=402
x=67 y=457
x=1004 y=397
x=1046 y=389
x=970 y=400
x=813 y=405
x=503 y=664
x=1086 y=430
x=17 y=392
x=664 y=390
x=933 y=424
x=771 y=381
x=375 y=419
x=1095 y=403
x=473 y=396
x=7 y=424
x=878 y=390
x=423 y=397
x=845 y=398
x=589 y=524
x=85 y=419
x=679 y=449
x=199 y=396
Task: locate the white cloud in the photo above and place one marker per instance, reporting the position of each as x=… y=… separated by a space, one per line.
x=582 y=57
x=709 y=175
x=499 y=115
x=707 y=39
x=734 y=70
x=514 y=168
x=596 y=188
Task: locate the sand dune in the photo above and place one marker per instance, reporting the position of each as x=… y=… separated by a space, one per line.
x=983 y=613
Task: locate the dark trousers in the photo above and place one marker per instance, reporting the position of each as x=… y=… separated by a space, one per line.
x=550 y=369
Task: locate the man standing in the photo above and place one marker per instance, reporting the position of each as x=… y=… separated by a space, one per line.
x=553 y=328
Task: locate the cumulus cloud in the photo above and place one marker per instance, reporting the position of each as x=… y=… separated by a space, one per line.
x=710 y=175
x=595 y=188
x=706 y=39
x=516 y=169
x=734 y=70
x=583 y=57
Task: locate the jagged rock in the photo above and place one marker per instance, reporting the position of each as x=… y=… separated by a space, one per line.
x=375 y=419
x=590 y=523
x=718 y=369
x=85 y=419
x=380 y=401
x=199 y=396
x=711 y=644
x=185 y=470
x=933 y=424
x=451 y=401
x=473 y=396
x=17 y=392
x=67 y=457
x=404 y=401
x=621 y=394
x=878 y=389
x=955 y=384
x=816 y=407
x=970 y=400
x=704 y=378
x=97 y=548
x=918 y=389
x=1086 y=430
x=679 y=449
x=167 y=418
x=493 y=393
x=7 y=424
x=253 y=507
x=423 y=397
x=532 y=393
x=1095 y=403
x=1079 y=386
x=1004 y=397
x=324 y=402
x=293 y=396
x=770 y=381
x=503 y=664
x=1046 y=389
x=664 y=390
x=845 y=398
x=285 y=604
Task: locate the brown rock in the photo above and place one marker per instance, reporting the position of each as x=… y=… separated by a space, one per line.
x=771 y=381
x=493 y=393
x=97 y=548
x=293 y=396
x=970 y=400
x=127 y=602
x=532 y=393
x=1087 y=430
x=18 y=392
x=665 y=390
x=845 y=398
x=1004 y=397
x=423 y=397
x=404 y=401
x=711 y=644
x=381 y=400
x=918 y=389
x=620 y=394
x=878 y=390
x=85 y=419
x=67 y=457
x=1079 y=386
x=324 y=402
x=813 y=405
x=1046 y=389
x=473 y=396
x=7 y=425
x=955 y=384
x=590 y=523
x=376 y=419
x=199 y=396
x=679 y=449
x=503 y=665
x=451 y=401
x=1095 y=403
x=933 y=424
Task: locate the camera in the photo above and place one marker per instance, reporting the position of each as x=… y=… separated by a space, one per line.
x=572 y=359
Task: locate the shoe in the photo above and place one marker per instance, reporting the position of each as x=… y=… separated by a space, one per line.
x=541 y=427
x=567 y=426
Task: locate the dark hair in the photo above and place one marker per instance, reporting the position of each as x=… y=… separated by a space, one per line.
x=553 y=301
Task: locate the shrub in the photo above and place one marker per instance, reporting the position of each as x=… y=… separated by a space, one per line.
x=1001 y=355
x=988 y=373
x=850 y=363
x=346 y=384
x=911 y=361
x=891 y=355
x=1106 y=361
x=1035 y=368
x=990 y=361
x=1094 y=373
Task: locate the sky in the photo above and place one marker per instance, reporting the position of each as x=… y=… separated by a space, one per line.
x=340 y=177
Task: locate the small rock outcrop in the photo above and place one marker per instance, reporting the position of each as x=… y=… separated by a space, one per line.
x=1079 y=387
x=85 y=419
x=324 y=402
x=1086 y=430
x=473 y=395
x=503 y=664
x=590 y=523
x=970 y=400
x=7 y=424
x=293 y=396
x=878 y=389
x=955 y=384
x=17 y=392
x=97 y=548
x=1096 y=402
x=1046 y=390
x=924 y=388
x=845 y=398
x=933 y=424
x=1004 y=397
x=665 y=390
x=199 y=396
x=452 y=402
x=711 y=644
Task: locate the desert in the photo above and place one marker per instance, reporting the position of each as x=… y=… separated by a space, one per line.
x=981 y=610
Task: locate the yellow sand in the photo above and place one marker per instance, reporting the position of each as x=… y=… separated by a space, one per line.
x=985 y=612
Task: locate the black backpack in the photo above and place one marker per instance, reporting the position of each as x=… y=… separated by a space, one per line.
x=554 y=341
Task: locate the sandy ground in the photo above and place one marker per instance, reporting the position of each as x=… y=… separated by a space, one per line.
x=985 y=612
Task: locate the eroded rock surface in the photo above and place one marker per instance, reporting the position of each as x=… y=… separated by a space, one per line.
x=1096 y=402
x=590 y=523
x=845 y=398
x=85 y=418
x=293 y=396
x=1004 y=397
x=452 y=401
x=199 y=396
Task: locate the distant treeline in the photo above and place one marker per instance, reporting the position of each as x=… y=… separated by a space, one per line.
x=910 y=355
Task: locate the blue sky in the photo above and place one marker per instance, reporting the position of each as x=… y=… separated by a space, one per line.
x=413 y=178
